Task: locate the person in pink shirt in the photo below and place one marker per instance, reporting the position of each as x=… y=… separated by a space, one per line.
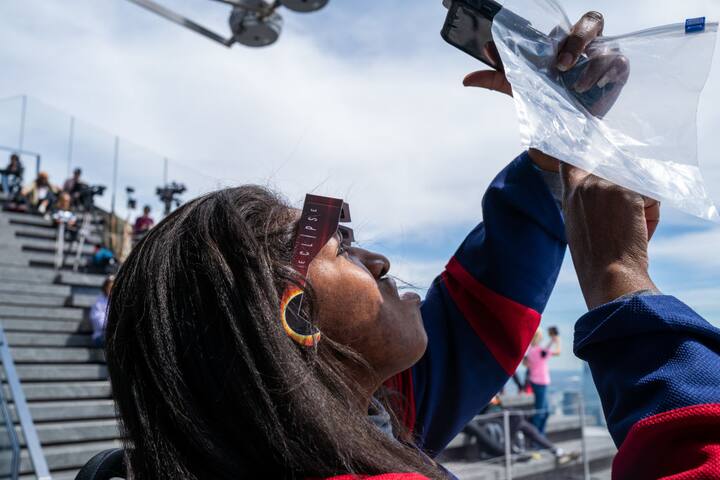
x=536 y=361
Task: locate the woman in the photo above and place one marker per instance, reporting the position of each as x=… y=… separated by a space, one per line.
x=41 y=194
x=536 y=360
x=15 y=170
x=98 y=313
x=209 y=385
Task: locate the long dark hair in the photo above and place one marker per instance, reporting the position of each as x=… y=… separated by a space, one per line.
x=206 y=382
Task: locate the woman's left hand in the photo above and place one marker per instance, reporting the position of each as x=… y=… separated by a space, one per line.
x=584 y=32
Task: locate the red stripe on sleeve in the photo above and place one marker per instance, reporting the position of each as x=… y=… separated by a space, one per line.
x=682 y=444
x=504 y=326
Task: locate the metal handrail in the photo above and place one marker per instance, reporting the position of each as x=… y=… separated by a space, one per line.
x=32 y=441
x=503 y=418
x=14 y=442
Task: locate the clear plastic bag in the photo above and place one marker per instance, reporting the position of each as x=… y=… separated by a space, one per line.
x=645 y=137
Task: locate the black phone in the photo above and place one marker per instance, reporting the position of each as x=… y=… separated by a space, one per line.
x=468 y=27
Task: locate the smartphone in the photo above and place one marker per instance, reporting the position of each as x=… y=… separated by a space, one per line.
x=468 y=27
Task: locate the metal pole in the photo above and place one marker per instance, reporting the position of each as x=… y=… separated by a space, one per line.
x=60 y=254
x=165 y=172
x=71 y=140
x=583 y=442
x=508 y=445
x=113 y=223
x=22 y=411
x=116 y=158
x=23 y=113
x=38 y=163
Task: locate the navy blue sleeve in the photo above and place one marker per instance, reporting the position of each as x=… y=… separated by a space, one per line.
x=482 y=312
x=656 y=364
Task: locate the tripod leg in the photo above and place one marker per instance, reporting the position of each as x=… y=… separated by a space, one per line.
x=60 y=254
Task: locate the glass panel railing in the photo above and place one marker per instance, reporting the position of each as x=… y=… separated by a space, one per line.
x=121 y=177
x=512 y=440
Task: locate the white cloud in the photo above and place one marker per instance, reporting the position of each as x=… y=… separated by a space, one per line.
x=697 y=251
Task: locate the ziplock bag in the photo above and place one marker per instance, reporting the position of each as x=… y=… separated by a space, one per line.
x=640 y=132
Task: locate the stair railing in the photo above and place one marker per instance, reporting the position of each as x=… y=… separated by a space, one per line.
x=32 y=441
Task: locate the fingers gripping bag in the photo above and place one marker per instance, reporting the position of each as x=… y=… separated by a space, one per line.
x=627 y=112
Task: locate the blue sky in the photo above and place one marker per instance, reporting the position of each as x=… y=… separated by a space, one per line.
x=362 y=100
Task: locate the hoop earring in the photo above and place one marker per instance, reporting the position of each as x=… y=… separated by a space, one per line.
x=296 y=326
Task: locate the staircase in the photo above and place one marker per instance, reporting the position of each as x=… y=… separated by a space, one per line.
x=44 y=314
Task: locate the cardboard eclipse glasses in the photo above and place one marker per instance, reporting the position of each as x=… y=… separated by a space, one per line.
x=320 y=221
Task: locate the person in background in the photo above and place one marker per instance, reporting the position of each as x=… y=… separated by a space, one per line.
x=63 y=213
x=518 y=423
x=144 y=222
x=41 y=194
x=103 y=260
x=72 y=185
x=64 y=203
x=536 y=361
x=98 y=313
x=14 y=170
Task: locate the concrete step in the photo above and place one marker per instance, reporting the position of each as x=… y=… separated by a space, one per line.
x=19 y=339
x=34 y=392
x=30 y=245
x=68 y=410
x=30 y=220
x=38 y=259
x=45 y=313
x=40 y=233
x=17 y=259
x=61 y=372
x=27 y=275
x=82 y=300
x=27 y=299
x=26 y=231
x=55 y=433
x=66 y=457
x=45 y=326
x=81 y=279
x=38 y=290
x=25 y=355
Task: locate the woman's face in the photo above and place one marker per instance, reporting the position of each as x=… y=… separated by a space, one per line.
x=359 y=306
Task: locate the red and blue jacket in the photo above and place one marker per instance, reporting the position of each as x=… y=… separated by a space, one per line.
x=656 y=364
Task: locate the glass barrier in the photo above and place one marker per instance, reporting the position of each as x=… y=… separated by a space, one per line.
x=563 y=441
x=118 y=176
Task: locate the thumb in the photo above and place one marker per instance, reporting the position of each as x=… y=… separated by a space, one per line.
x=489 y=79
